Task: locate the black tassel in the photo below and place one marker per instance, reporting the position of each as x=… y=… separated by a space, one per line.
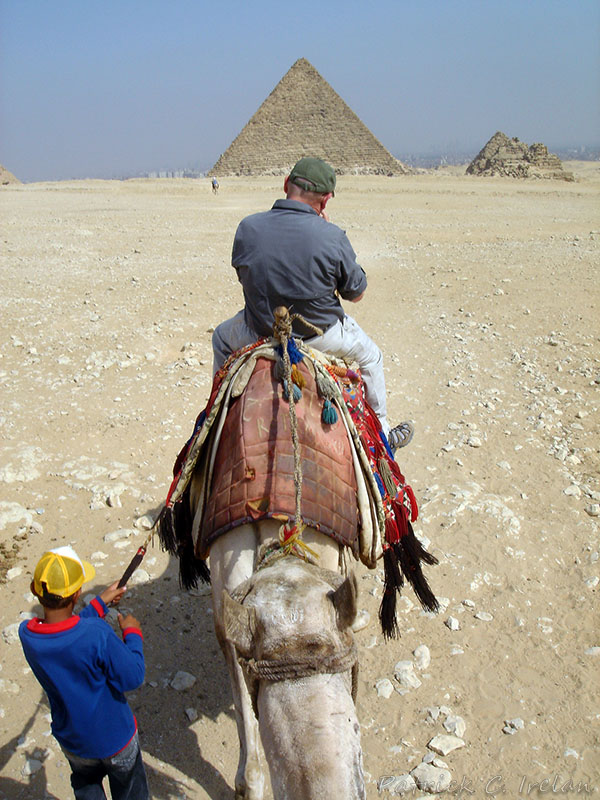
x=165 y=528
x=191 y=568
x=182 y=519
x=393 y=584
x=174 y=528
x=410 y=552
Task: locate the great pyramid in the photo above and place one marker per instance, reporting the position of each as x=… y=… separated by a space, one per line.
x=304 y=116
x=7 y=177
x=514 y=159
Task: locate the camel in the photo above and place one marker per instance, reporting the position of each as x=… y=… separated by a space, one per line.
x=319 y=702
x=283 y=623
x=295 y=612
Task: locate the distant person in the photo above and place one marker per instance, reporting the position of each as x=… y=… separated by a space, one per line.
x=215 y=185
x=293 y=256
x=85 y=668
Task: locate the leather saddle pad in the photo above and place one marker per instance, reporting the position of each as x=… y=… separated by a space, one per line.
x=253 y=476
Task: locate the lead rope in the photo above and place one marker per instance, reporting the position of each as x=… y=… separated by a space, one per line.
x=291 y=539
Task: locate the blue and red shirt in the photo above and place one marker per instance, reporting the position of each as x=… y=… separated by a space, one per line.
x=85 y=668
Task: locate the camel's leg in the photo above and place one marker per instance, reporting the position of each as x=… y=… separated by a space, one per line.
x=231 y=562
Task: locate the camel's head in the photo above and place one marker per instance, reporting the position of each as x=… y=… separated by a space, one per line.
x=292 y=611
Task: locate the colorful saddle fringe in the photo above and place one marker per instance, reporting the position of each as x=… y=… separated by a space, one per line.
x=402 y=551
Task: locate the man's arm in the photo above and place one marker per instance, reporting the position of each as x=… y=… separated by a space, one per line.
x=352 y=282
x=360 y=297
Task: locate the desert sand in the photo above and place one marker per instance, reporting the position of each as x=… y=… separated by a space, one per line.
x=483 y=295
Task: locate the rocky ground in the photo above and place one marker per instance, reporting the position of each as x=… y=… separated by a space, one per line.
x=483 y=295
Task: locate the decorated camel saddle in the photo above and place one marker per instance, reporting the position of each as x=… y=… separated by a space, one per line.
x=287 y=435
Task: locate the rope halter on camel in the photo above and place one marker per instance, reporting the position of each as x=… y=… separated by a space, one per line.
x=343 y=660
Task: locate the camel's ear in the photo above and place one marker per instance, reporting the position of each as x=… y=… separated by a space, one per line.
x=344 y=600
x=239 y=623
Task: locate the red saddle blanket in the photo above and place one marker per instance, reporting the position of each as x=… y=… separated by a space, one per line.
x=253 y=477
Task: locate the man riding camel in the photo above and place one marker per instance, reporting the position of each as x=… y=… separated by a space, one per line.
x=293 y=256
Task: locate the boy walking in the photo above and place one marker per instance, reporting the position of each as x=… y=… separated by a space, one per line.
x=84 y=668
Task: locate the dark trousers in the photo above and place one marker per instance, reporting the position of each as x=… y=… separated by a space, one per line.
x=124 y=770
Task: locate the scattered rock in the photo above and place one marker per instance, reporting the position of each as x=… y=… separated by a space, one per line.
x=139 y=577
x=120 y=535
x=182 y=681
x=113 y=499
x=144 y=523
x=431 y=779
x=13 y=573
x=444 y=744
x=455 y=725
x=385 y=688
x=511 y=726
x=404 y=672
x=422 y=656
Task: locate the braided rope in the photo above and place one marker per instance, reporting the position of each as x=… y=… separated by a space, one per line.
x=282 y=330
x=282 y=670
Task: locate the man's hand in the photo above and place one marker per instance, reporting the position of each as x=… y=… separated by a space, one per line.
x=113 y=594
x=128 y=621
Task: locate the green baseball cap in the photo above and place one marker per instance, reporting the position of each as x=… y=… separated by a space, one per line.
x=313 y=175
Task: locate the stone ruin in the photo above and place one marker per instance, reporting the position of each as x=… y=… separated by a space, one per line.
x=514 y=159
x=304 y=116
x=7 y=177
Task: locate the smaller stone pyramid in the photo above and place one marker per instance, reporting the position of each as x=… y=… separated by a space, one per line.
x=514 y=159
x=7 y=177
x=304 y=116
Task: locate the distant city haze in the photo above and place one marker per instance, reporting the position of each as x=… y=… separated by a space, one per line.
x=111 y=89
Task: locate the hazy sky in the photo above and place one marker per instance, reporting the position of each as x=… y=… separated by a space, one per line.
x=105 y=88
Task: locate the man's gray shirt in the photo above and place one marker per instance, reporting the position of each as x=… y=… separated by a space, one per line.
x=291 y=256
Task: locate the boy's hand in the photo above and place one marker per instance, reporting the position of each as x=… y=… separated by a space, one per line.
x=128 y=621
x=112 y=595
